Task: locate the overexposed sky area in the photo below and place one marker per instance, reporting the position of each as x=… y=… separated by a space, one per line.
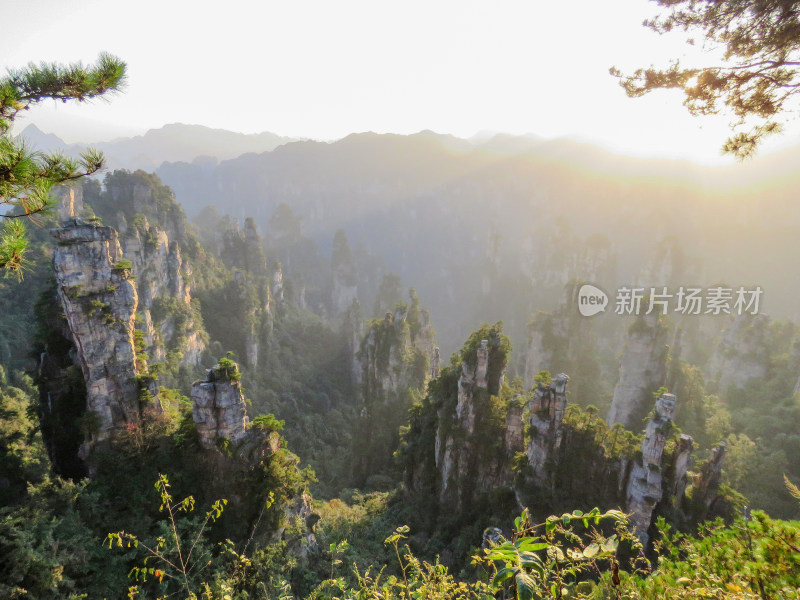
x=323 y=69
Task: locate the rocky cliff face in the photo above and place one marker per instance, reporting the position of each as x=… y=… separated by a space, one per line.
x=742 y=353
x=563 y=340
x=218 y=406
x=219 y=413
x=390 y=369
x=678 y=474
x=70 y=201
x=112 y=284
x=558 y=256
x=156 y=240
x=344 y=289
x=100 y=300
x=392 y=358
x=466 y=467
x=167 y=319
x=706 y=483
x=642 y=371
x=547 y=406
x=473 y=443
x=646 y=485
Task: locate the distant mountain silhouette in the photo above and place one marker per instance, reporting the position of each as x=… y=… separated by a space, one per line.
x=175 y=142
x=41 y=141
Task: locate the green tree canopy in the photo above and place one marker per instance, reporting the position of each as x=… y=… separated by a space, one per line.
x=26 y=177
x=757 y=78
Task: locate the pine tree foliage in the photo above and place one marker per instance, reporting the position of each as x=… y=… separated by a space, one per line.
x=757 y=79
x=26 y=176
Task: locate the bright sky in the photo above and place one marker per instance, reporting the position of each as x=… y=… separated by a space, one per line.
x=323 y=69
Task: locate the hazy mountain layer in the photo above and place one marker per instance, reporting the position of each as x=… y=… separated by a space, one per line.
x=461 y=220
x=173 y=142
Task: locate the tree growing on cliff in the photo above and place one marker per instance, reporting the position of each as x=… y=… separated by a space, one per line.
x=26 y=177
x=757 y=76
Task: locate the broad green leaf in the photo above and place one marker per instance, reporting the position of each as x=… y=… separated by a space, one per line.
x=550 y=525
x=525 y=586
x=529 y=560
x=531 y=544
x=502 y=575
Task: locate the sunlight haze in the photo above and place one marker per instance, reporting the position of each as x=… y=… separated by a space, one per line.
x=323 y=70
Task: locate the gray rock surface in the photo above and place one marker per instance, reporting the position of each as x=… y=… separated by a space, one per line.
x=161 y=279
x=218 y=407
x=99 y=301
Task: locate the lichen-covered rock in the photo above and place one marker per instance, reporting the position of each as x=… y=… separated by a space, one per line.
x=99 y=301
x=218 y=406
x=642 y=370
